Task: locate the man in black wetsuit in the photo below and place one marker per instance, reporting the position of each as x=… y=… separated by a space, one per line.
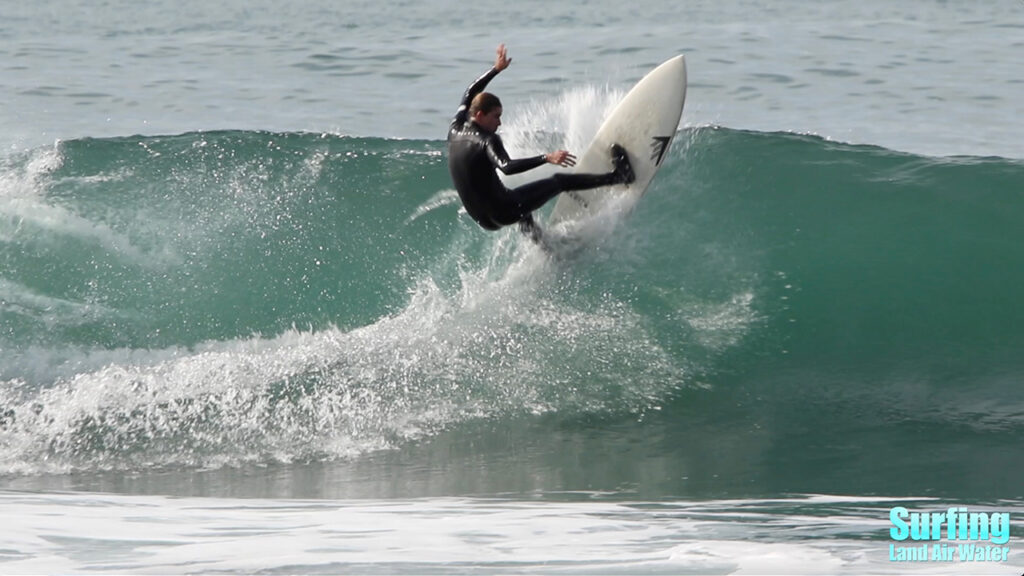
x=475 y=151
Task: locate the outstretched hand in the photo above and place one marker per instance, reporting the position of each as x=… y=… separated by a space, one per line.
x=501 y=60
x=561 y=158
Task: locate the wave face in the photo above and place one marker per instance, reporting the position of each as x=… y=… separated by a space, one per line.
x=218 y=298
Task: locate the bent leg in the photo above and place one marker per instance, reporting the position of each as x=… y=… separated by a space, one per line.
x=529 y=228
x=520 y=202
x=532 y=196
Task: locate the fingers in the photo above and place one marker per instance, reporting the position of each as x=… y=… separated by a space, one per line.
x=561 y=158
x=564 y=158
x=501 y=59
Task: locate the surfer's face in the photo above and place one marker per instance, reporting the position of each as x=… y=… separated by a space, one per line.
x=490 y=120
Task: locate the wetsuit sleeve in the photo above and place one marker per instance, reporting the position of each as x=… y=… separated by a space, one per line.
x=478 y=85
x=499 y=158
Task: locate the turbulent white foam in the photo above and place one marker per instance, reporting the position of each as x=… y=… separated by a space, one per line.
x=138 y=534
x=568 y=122
x=721 y=325
x=491 y=343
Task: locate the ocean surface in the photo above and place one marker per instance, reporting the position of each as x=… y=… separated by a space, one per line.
x=245 y=327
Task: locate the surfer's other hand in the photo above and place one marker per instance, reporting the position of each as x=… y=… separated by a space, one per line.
x=561 y=158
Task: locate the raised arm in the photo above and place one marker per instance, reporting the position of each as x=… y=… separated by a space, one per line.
x=501 y=62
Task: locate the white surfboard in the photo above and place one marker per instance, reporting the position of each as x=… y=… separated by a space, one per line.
x=644 y=123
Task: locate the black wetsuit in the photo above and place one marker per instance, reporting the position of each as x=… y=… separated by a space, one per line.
x=473 y=155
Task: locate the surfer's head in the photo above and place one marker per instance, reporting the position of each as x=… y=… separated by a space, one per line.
x=485 y=110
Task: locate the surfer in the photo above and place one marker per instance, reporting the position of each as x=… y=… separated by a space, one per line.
x=475 y=151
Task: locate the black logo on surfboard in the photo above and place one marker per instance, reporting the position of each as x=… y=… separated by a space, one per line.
x=658 y=148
